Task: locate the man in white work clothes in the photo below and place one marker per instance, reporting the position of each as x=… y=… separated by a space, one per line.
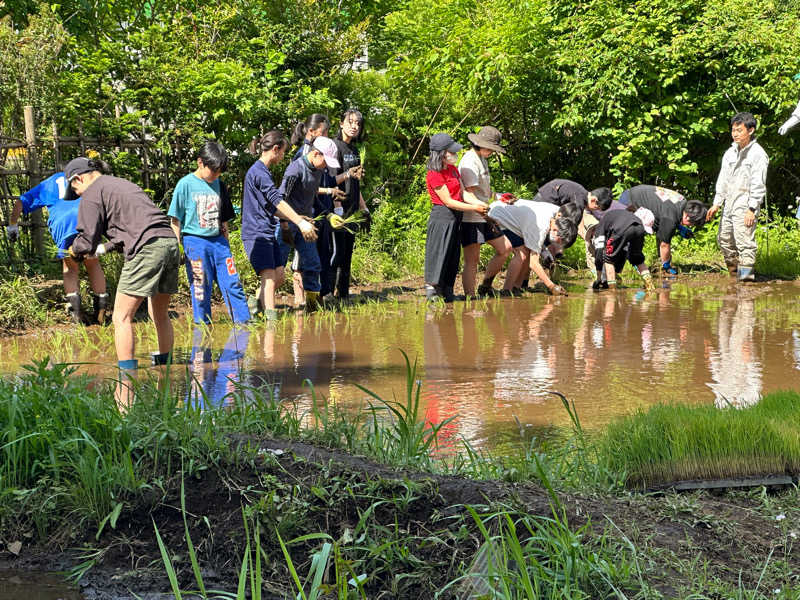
x=741 y=189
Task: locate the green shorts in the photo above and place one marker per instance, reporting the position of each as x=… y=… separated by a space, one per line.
x=154 y=269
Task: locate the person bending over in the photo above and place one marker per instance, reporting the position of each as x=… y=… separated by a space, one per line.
x=619 y=236
x=539 y=227
x=673 y=213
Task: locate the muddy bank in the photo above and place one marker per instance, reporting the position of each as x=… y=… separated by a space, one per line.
x=412 y=527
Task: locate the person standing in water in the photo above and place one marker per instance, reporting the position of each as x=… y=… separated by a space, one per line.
x=262 y=204
x=120 y=211
x=741 y=189
x=199 y=213
x=348 y=180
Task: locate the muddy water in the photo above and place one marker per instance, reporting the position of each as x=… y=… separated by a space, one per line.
x=700 y=341
x=32 y=585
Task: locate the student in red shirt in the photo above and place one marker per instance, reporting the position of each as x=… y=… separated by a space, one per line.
x=442 y=244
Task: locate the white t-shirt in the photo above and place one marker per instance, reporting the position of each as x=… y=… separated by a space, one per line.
x=528 y=219
x=474 y=171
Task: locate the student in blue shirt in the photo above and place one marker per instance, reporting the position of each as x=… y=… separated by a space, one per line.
x=62 y=220
x=299 y=187
x=199 y=213
x=262 y=204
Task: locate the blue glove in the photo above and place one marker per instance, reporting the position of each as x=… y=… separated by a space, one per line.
x=685 y=232
x=668 y=268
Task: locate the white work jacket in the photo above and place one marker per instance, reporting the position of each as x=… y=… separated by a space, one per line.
x=743 y=177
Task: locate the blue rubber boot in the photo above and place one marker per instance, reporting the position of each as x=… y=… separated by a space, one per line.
x=746 y=274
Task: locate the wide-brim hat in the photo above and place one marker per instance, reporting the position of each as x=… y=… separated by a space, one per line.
x=487 y=137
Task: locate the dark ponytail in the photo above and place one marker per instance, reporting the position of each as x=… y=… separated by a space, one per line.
x=313 y=122
x=95 y=164
x=258 y=145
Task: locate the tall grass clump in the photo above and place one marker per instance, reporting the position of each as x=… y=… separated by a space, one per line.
x=396 y=434
x=672 y=443
x=20 y=306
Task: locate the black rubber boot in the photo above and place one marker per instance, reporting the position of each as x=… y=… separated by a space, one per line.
x=160 y=358
x=74 y=307
x=448 y=294
x=100 y=302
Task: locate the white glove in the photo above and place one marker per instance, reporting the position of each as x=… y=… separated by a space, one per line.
x=13 y=232
x=304 y=226
x=338 y=210
x=100 y=250
x=791 y=122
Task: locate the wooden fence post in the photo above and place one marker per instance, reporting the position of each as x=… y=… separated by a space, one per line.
x=56 y=149
x=34 y=173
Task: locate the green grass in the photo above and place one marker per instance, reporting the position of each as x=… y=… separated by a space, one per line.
x=673 y=443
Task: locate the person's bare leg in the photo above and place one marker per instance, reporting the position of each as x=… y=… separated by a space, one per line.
x=69 y=272
x=514 y=268
x=125 y=308
x=297 y=283
x=502 y=248
x=267 y=288
x=97 y=278
x=470 y=273
x=158 y=307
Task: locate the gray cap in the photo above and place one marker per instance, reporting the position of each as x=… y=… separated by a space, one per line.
x=442 y=141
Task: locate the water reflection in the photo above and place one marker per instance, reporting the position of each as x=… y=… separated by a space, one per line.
x=35 y=585
x=213 y=384
x=734 y=364
x=700 y=340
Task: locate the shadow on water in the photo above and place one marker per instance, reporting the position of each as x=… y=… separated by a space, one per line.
x=493 y=363
x=32 y=585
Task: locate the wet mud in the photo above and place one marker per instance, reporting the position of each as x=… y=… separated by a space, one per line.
x=727 y=534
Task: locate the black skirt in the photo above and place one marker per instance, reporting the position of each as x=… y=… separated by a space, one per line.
x=443 y=246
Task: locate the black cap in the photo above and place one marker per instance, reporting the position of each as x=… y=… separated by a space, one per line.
x=77 y=166
x=442 y=141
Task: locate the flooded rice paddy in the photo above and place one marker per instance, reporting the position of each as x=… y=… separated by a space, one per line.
x=492 y=362
x=34 y=585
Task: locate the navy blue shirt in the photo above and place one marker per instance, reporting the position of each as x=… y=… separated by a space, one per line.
x=300 y=185
x=259 y=201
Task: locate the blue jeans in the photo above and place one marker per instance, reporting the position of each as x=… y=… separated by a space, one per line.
x=209 y=260
x=310 y=265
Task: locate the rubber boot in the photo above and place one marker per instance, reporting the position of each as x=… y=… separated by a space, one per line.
x=312 y=301
x=100 y=302
x=448 y=294
x=160 y=358
x=746 y=274
x=432 y=292
x=74 y=307
x=485 y=291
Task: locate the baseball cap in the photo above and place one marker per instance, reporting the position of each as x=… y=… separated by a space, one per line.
x=77 y=166
x=442 y=141
x=645 y=215
x=327 y=147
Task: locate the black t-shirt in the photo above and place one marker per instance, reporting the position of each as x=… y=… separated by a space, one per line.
x=562 y=191
x=619 y=232
x=348 y=158
x=666 y=205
